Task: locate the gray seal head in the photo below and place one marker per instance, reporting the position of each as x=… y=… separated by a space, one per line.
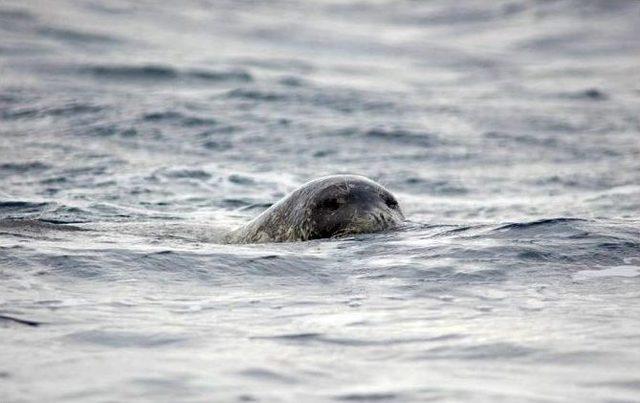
x=326 y=207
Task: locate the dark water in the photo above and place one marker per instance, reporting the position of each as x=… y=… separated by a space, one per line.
x=134 y=134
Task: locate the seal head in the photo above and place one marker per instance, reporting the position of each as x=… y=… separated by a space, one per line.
x=327 y=207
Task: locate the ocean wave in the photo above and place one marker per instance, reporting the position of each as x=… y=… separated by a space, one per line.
x=160 y=72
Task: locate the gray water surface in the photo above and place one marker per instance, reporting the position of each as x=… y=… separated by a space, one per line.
x=134 y=134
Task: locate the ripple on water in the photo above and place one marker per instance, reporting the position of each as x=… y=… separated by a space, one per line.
x=126 y=339
x=368 y=397
x=264 y=374
x=9 y=208
x=23 y=167
x=164 y=73
x=177 y=118
x=77 y=37
x=487 y=351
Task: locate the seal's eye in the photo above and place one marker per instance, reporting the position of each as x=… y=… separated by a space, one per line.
x=329 y=204
x=391 y=202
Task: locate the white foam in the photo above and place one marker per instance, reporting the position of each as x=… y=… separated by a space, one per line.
x=617 y=271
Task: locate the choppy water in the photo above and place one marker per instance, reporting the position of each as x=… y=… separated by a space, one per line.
x=509 y=131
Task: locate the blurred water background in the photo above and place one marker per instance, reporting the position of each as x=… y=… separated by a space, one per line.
x=134 y=133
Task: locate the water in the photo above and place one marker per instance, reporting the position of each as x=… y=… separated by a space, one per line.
x=133 y=135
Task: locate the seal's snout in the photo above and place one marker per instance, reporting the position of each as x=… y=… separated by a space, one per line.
x=383 y=207
x=382 y=217
x=359 y=207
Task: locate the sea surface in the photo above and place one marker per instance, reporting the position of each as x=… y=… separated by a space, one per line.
x=135 y=134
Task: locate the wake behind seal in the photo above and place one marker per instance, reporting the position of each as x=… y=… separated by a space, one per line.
x=326 y=207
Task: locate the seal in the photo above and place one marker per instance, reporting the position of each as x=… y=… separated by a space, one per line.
x=327 y=207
